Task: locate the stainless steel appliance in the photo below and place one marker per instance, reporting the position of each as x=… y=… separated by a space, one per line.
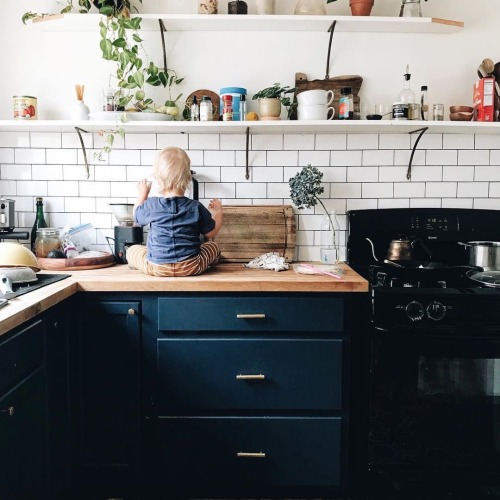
x=432 y=366
x=7 y=215
x=126 y=233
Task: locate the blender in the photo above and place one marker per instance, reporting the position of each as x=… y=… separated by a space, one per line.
x=126 y=233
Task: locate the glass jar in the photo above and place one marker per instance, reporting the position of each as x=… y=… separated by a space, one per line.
x=310 y=8
x=329 y=238
x=47 y=239
x=410 y=8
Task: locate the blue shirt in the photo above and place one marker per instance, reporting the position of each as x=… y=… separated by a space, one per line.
x=175 y=227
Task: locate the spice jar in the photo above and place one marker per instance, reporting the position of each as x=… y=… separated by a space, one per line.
x=47 y=239
x=227 y=112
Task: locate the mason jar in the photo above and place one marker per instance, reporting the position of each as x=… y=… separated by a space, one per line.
x=47 y=239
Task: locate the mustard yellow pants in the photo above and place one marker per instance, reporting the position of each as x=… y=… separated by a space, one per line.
x=209 y=253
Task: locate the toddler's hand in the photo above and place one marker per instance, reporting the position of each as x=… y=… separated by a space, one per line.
x=215 y=205
x=143 y=188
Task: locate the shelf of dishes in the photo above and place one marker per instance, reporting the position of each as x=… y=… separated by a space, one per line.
x=255 y=127
x=225 y=22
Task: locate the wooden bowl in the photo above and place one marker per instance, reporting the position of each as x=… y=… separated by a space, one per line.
x=461 y=109
x=461 y=116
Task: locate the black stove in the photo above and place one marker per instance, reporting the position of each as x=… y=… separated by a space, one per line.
x=42 y=280
x=432 y=374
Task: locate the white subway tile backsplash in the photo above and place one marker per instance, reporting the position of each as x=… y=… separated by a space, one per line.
x=46 y=140
x=383 y=157
x=315 y=158
x=6 y=155
x=362 y=141
x=331 y=142
x=302 y=142
x=15 y=172
x=26 y=156
x=458 y=141
x=360 y=171
x=474 y=157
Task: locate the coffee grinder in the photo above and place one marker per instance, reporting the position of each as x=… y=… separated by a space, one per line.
x=126 y=233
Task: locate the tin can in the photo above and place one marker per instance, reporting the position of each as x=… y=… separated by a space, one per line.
x=400 y=111
x=25 y=107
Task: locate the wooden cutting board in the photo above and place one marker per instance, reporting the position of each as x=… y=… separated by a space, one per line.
x=250 y=231
x=77 y=264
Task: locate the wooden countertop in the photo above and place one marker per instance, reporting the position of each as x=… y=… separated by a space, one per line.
x=222 y=278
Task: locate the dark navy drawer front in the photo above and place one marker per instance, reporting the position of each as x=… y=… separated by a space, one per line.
x=272 y=451
x=224 y=374
x=21 y=354
x=316 y=314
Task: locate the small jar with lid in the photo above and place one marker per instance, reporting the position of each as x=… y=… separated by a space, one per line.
x=227 y=113
x=206 y=109
x=47 y=239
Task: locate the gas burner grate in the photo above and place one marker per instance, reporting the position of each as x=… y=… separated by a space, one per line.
x=42 y=280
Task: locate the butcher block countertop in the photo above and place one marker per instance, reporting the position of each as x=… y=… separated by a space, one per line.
x=222 y=278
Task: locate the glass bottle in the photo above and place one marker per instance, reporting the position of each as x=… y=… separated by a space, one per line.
x=310 y=8
x=39 y=222
x=407 y=95
x=329 y=238
x=243 y=107
x=424 y=103
x=195 y=110
x=346 y=104
x=206 y=109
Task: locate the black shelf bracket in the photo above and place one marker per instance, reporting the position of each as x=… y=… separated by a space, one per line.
x=247 y=166
x=79 y=132
x=331 y=29
x=422 y=132
x=163 y=30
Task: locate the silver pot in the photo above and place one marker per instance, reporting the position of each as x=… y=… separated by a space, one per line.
x=485 y=254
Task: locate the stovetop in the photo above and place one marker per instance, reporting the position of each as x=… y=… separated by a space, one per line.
x=42 y=280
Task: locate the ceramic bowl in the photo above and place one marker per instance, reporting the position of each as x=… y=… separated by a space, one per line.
x=461 y=109
x=461 y=116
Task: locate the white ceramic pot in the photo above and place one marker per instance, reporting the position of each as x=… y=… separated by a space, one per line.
x=315 y=112
x=266 y=7
x=80 y=111
x=269 y=108
x=315 y=96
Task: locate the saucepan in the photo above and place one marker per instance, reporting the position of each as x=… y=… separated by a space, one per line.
x=485 y=254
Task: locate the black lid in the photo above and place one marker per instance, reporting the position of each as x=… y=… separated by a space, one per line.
x=243 y=97
x=345 y=90
x=423 y=87
x=195 y=101
x=206 y=98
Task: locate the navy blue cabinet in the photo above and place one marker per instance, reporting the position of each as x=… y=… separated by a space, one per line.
x=247 y=395
x=105 y=395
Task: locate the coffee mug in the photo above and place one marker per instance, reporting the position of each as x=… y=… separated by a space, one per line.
x=316 y=96
x=315 y=112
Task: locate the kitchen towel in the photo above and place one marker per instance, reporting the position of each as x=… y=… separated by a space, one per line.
x=271 y=261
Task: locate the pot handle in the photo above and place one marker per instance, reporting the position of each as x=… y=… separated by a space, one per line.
x=464 y=244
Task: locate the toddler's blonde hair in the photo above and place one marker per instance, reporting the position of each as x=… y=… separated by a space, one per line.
x=172 y=169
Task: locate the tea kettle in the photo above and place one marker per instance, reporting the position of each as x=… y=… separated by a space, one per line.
x=401 y=249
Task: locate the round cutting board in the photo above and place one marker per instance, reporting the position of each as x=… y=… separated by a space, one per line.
x=78 y=263
x=209 y=93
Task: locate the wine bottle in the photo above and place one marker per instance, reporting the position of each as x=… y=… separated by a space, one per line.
x=39 y=222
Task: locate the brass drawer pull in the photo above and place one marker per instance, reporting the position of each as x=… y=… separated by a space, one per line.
x=259 y=376
x=243 y=454
x=9 y=411
x=251 y=316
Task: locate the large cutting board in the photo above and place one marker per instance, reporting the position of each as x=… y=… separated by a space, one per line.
x=250 y=231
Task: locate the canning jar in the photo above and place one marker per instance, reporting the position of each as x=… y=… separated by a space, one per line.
x=47 y=239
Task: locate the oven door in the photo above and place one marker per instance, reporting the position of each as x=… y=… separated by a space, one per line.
x=434 y=403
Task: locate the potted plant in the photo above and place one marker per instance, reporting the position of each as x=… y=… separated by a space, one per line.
x=305 y=188
x=316 y=7
x=358 y=7
x=271 y=99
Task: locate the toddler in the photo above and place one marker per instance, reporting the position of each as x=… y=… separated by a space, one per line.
x=176 y=222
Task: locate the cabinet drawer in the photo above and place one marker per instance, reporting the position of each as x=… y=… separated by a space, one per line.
x=21 y=354
x=229 y=313
x=242 y=373
x=289 y=451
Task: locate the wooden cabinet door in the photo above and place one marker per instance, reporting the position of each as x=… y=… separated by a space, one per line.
x=105 y=394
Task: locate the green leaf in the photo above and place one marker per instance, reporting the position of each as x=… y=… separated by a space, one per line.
x=139 y=95
x=107 y=49
x=106 y=10
x=163 y=78
x=120 y=42
x=154 y=81
x=139 y=79
x=67 y=9
x=136 y=38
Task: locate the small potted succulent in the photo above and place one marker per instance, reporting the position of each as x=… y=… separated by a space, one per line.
x=271 y=99
x=315 y=7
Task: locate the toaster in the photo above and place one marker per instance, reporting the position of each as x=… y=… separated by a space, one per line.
x=7 y=215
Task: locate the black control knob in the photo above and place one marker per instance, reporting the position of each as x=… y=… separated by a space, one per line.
x=415 y=311
x=436 y=311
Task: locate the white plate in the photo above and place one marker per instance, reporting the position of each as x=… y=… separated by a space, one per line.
x=131 y=117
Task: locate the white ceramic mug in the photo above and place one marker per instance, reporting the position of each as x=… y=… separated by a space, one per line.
x=315 y=112
x=316 y=96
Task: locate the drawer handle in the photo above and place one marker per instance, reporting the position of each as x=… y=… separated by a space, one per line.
x=9 y=411
x=131 y=312
x=244 y=454
x=251 y=316
x=242 y=376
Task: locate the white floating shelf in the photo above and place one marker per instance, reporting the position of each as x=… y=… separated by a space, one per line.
x=225 y=22
x=256 y=127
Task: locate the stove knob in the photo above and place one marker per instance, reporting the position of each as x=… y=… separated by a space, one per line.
x=436 y=311
x=415 y=311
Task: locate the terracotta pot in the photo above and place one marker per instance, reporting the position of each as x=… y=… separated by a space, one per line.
x=361 y=7
x=269 y=107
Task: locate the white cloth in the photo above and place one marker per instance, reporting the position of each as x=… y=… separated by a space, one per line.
x=271 y=261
